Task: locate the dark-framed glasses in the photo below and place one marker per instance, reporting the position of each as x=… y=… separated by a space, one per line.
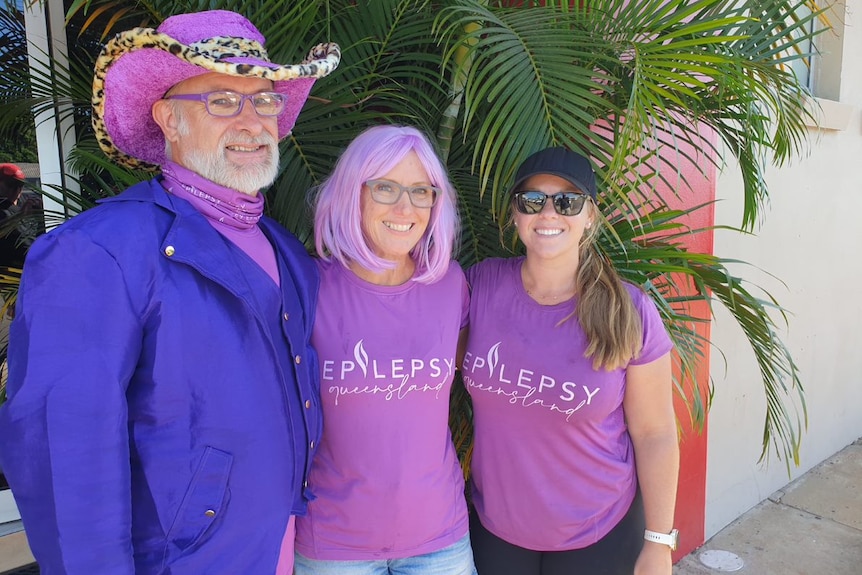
x=565 y=203
x=388 y=192
x=224 y=103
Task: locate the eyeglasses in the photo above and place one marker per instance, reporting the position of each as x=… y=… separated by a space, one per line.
x=565 y=203
x=388 y=192
x=224 y=103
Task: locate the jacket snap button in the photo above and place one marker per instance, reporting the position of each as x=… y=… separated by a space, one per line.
x=286 y=316
x=209 y=513
x=307 y=404
x=297 y=359
x=169 y=251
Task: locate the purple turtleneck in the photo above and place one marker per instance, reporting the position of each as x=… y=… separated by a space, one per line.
x=233 y=214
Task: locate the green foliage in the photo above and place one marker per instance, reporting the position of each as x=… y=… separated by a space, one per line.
x=18 y=135
x=641 y=86
x=19 y=146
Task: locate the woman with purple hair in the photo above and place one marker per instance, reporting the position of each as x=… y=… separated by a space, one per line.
x=389 y=490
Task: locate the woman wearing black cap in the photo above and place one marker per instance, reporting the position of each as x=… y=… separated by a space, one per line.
x=575 y=458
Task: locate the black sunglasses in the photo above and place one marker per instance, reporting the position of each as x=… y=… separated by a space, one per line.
x=565 y=203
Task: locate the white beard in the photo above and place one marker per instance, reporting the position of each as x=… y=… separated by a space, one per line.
x=216 y=167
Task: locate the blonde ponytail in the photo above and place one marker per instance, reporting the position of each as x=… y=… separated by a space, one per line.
x=605 y=309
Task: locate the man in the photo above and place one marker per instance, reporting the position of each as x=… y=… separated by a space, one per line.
x=12 y=182
x=12 y=244
x=163 y=398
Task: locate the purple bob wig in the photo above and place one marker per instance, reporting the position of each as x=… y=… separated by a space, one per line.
x=337 y=215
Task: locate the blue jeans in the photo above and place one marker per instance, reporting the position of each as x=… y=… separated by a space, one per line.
x=457 y=559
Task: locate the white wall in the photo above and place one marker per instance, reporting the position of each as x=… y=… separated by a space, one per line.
x=811 y=238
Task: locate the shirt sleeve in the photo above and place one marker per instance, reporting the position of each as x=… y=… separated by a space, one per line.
x=656 y=341
x=471 y=274
x=73 y=348
x=465 y=299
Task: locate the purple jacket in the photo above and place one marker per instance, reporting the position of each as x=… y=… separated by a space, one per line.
x=163 y=395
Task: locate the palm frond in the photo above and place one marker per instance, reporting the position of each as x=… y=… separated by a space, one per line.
x=533 y=80
x=653 y=255
x=640 y=87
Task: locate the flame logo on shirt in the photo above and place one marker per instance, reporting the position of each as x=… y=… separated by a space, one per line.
x=493 y=358
x=361 y=357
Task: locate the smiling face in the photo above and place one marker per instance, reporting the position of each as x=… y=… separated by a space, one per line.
x=548 y=235
x=239 y=152
x=392 y=231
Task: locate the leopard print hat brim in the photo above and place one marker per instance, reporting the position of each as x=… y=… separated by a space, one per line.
x=139 y=66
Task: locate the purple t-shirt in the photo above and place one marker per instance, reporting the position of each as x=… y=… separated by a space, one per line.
x=386 y=476
x=553 y=465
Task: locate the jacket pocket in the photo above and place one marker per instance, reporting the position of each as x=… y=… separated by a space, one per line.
x=205 y=499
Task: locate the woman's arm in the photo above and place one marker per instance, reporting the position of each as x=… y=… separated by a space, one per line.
x=648 y=406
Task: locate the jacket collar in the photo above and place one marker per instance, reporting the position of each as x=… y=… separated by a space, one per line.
x=191 y=240
x=195 y=242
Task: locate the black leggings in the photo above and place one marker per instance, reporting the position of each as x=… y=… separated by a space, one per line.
x=613 y=554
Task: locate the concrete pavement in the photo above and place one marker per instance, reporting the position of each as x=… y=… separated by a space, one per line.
x=811 y=526
x=15 y=553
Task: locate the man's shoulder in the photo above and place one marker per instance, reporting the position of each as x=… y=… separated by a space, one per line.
x=284 y=238
x=148 y=192
x=132 y=199
x=131 y=212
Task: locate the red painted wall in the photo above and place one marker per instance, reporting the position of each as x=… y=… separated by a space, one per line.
x=691 y=496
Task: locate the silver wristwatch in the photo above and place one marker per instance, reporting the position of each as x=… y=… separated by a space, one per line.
x=670 y=539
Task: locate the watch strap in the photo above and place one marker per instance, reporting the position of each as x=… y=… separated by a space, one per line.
x=670 y=539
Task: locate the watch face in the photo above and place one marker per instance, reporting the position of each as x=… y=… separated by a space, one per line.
x=674 y=534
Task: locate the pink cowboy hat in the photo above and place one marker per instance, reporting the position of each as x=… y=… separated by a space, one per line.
x=139 y=66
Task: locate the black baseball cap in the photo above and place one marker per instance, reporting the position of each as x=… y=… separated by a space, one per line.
x=560 y=162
